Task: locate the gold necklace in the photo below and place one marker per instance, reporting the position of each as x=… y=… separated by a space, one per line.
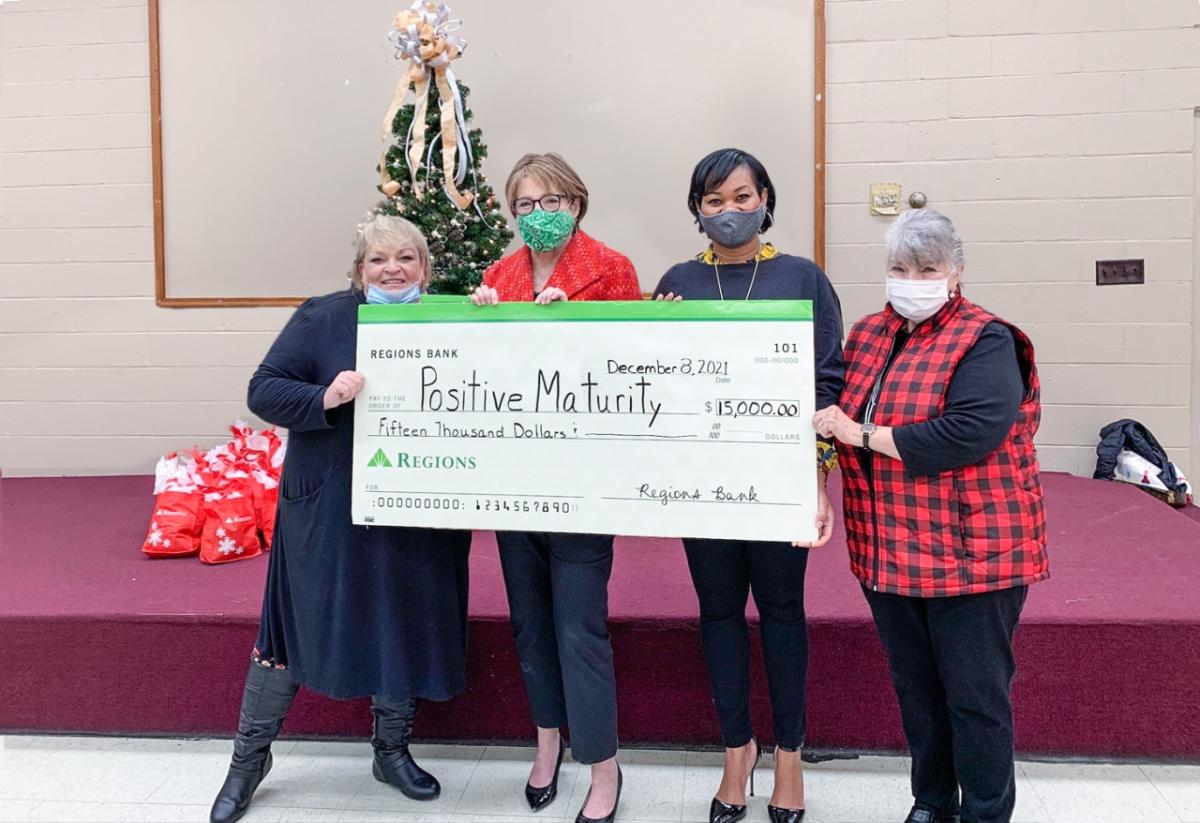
x=717 y=272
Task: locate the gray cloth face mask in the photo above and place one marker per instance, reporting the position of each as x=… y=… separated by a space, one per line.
x=732 y=228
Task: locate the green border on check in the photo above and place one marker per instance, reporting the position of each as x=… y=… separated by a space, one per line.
x=444 y=311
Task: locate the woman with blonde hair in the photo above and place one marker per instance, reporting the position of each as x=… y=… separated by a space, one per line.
x=349 y=611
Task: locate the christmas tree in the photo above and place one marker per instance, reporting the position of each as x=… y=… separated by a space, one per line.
x=457 y=212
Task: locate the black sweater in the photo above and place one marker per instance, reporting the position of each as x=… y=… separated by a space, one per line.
x=783 y=277
x=982 y=403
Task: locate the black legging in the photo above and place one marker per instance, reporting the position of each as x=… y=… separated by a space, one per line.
x=724 y=572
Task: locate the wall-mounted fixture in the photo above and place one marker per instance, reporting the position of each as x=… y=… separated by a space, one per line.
x=885 y=199
x=1120 y=272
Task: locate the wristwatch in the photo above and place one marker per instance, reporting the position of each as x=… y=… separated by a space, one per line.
x=868 y=430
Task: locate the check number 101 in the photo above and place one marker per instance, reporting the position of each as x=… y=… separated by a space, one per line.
x=781 y=353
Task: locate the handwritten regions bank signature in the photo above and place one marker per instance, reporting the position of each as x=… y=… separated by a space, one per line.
x=718 y=495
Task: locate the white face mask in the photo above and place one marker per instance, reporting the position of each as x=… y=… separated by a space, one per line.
x=917 y=300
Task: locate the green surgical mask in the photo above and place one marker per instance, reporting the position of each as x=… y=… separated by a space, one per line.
x=546 y=230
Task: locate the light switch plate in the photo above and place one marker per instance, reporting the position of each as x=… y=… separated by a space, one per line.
x=1120 y=272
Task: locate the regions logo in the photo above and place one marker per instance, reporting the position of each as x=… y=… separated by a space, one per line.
x=407 y=460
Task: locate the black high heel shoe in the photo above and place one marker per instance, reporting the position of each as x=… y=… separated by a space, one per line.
x=540 y=798
x=720 y=811
x=611 y=816
x=780 y=815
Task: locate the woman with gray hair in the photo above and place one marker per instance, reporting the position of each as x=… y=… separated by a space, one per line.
x=349 y=611
x=944 y=513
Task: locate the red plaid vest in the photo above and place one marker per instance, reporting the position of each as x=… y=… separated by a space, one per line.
x=974 y=529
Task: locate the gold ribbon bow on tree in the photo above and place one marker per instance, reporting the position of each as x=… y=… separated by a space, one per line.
x=424 y=37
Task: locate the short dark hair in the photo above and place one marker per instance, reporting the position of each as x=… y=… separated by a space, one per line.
x=715 y=169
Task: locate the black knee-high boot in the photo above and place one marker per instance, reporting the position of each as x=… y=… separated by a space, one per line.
x=394 y=764
x=265 y=701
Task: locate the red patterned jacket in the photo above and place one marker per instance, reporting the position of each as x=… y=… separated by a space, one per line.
x=587 y=270
x=973 y=529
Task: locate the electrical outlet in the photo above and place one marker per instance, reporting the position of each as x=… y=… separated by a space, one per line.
x=1120 y=272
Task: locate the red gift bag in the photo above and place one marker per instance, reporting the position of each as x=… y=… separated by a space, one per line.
x=230 y=528
x=269 y=505
x=175 y=525
x=265 y=490
x=215 y=502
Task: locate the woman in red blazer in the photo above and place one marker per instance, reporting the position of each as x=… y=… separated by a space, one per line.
x=558 y=583
x=559 y=261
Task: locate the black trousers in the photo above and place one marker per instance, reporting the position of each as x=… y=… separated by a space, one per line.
x=558 y=598
x=952 y=664
x=724 y=573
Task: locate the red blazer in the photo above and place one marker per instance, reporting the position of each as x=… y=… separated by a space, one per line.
x=587 y=270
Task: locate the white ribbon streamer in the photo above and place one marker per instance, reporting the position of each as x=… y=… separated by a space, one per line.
x=425 y=37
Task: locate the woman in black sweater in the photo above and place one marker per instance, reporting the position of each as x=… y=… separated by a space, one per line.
x=733 y=201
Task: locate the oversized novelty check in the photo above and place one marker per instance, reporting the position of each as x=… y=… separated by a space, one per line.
x=687 y=419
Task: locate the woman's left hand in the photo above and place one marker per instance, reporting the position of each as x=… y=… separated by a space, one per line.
x=833 y=422
x=485 y=296
x=824 y=520
x=546 y=296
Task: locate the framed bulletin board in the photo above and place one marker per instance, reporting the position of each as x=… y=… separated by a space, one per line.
x=266 y=124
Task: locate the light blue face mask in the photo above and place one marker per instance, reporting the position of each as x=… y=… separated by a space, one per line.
x=379 y=296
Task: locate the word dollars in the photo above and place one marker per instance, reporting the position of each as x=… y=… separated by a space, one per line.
x=549 y=395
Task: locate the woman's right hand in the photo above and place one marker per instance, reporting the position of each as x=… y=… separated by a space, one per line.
x=343 y=389
x=668 y=296
x=485 y=296
x=824 y=518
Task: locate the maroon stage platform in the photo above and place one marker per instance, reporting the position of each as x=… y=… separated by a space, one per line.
x=95 y=638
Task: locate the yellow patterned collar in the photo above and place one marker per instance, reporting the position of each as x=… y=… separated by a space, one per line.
x=765 y=252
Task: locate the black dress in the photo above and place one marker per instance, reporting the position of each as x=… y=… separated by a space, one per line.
x=351 y=610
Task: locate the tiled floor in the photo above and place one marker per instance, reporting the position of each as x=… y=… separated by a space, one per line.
x=132 y=779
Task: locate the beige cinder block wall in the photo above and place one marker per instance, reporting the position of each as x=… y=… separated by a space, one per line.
x=1055 y=132
x=94 y=378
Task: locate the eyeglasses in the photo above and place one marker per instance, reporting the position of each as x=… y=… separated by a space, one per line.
x=547 y=202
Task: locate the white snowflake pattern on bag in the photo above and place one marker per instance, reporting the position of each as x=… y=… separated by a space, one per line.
x=227 y=545
x=155 y=538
